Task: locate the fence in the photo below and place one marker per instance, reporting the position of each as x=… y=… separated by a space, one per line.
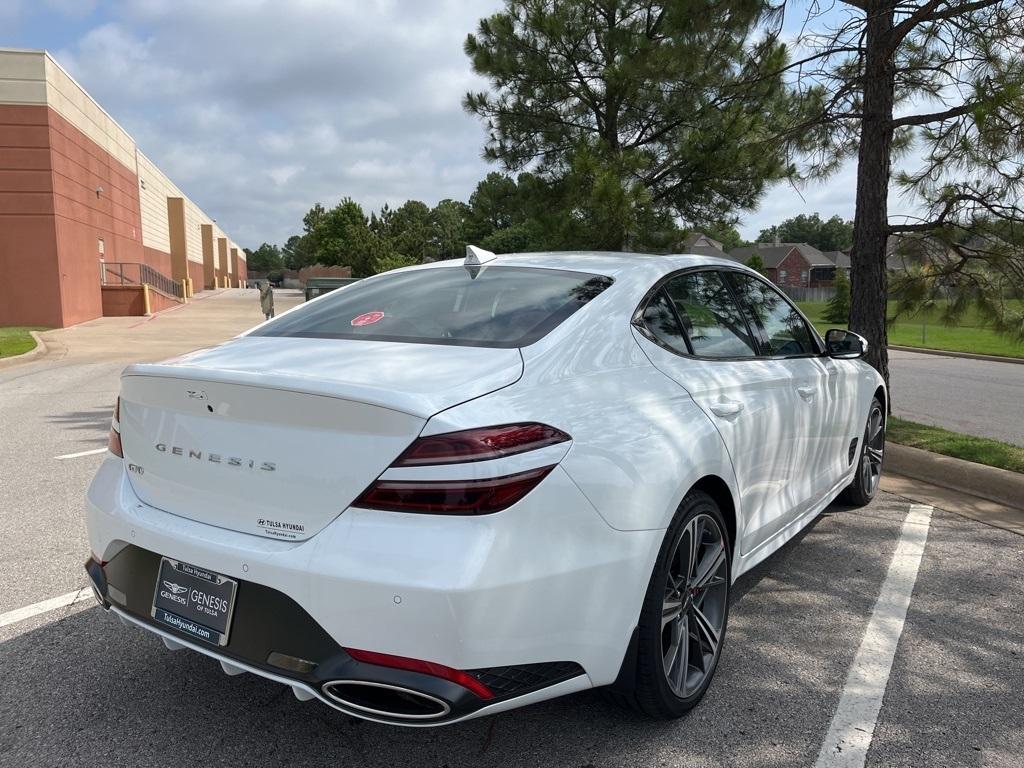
x=809 y=294
x=134 y=273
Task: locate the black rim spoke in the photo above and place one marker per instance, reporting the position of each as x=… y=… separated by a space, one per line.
x=694 y=605
x=874 y=448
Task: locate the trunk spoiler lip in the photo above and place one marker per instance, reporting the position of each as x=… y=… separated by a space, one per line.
x=419 y=405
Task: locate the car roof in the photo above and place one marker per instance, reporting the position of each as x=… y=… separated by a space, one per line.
x=600 y=262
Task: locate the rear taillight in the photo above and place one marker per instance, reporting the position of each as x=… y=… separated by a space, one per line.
x=479 y=444
x=114 y=440
x=425 y=667
x=478 y=496
x=451 y=497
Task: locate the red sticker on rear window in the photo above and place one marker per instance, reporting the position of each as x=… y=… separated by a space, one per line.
x=367 y=318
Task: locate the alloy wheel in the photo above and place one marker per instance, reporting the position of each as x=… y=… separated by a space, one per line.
x=694 y=606
x=874 y=446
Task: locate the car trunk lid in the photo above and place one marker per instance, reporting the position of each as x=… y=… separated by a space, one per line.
x=276 y=437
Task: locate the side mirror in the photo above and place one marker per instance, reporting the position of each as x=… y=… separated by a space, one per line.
x=842 y=344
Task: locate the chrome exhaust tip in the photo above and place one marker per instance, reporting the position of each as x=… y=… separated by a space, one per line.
x=385 y=700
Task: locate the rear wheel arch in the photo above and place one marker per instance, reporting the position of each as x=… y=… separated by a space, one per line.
x=881 y=395
x=719 y=490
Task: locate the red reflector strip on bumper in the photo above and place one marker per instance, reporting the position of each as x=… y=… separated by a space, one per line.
x=451 y=497
x=426 y=667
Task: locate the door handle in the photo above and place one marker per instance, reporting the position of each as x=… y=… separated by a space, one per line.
x=806 y=392
x=726 y=408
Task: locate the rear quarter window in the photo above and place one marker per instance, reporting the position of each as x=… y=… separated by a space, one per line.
x=491 y=306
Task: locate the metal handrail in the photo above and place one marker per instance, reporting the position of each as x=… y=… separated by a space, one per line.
x=137 y=273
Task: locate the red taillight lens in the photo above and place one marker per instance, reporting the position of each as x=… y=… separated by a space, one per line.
x=451 y=497
x=479 y=444
x=426 y=667
x=114 y=443
x=114 y=439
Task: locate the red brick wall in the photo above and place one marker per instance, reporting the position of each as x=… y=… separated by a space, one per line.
x=158 y=260
x=84 y=216
x=52 y=219
x=123 y=301
x=29 y=286
x=158 y=302
x=797 y=271
x=128 y=301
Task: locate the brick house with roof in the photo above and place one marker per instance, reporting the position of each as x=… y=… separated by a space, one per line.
x=790 y=265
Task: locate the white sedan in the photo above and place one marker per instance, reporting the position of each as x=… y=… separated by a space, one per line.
x=463 y=487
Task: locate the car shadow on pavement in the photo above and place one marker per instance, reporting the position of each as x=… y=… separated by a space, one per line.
x=84 y=689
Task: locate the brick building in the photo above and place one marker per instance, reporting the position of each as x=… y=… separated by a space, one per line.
x=85 y=217
x=794 y=265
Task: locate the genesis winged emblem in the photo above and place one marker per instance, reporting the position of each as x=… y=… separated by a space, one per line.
x=176 y=589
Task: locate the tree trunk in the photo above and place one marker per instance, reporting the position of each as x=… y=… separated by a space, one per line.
x=868 y=278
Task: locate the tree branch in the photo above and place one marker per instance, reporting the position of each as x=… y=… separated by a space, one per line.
x=936 y=117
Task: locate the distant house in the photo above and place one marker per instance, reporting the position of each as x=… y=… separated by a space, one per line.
x=702 y=245
x=826 y=276
x=792 y=265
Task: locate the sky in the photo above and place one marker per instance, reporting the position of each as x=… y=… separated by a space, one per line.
x=257 y=110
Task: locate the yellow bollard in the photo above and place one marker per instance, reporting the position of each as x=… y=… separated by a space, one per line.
x=184 y=291
x=147 y=310
x=189 y=288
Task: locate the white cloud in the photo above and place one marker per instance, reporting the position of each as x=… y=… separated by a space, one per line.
x=257 y=110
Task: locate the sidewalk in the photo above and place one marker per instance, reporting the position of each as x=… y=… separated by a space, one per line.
x=210 y=318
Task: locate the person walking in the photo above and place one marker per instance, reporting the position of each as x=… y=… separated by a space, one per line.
x=267 y=300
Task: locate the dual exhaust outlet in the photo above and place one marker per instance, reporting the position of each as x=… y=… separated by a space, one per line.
x=385 y=700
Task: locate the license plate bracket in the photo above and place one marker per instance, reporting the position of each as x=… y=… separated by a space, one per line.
x=194 y=601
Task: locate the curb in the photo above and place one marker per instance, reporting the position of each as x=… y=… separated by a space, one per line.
x=966 y=355
x=24 y=357
x=998 y=485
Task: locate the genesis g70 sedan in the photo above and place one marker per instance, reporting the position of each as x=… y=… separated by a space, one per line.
x=463 y=487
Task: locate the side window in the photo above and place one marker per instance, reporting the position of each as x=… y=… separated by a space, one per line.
x=710 y=317
x=661 y=321
x=787 y=332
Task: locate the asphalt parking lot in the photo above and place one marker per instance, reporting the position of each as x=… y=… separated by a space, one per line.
x=79 y=688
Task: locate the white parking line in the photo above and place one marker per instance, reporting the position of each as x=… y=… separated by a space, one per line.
x=20 y=614
x=80 y=453
x=853 y=725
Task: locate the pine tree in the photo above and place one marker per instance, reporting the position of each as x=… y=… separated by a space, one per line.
x=938 y=84
x=641 y=112
x=838 y=309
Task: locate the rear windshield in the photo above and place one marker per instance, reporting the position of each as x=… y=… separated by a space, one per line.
x=466 y=306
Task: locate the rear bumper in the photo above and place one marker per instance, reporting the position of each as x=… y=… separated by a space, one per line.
x=305 y=692
x=544 y=582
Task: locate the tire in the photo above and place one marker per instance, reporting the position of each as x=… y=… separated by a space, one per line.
x=865 y=483
x=682 y=623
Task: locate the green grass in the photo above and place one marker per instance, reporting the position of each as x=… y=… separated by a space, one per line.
x=925 y=330
x=16 y=340
x=980 y=450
